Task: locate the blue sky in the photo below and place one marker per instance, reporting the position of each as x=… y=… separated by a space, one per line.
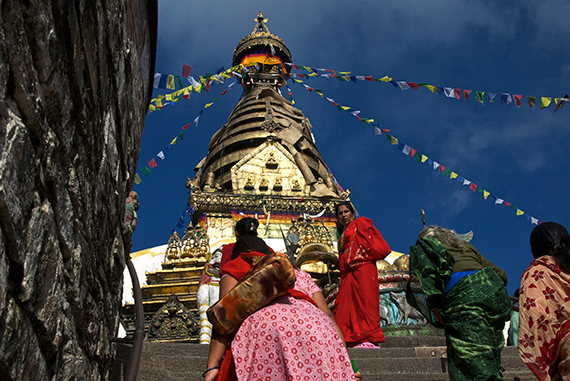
x=520 y=155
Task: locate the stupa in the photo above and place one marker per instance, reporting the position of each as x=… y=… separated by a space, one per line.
x=262 y=163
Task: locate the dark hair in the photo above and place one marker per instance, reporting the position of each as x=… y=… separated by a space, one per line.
x=551 y=238
x=340 y=227
x=247 y=226
x=249 y=243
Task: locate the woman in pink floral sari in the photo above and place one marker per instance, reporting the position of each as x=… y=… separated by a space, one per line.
x=544 y=330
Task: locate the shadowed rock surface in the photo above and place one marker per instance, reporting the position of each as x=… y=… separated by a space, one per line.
x=75 y=81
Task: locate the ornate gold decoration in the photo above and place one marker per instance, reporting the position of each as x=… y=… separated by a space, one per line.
x=384 y=267
x=312 y=243
x=260 y=36
x=173 y=322
x=402 y=263
x=173 y=248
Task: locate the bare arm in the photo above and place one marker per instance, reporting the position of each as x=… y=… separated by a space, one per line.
x=219 y=342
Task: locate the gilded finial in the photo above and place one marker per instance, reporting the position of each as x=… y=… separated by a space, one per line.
x=260 y=24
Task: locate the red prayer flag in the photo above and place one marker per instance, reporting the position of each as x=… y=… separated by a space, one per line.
x=518 y=101
x=441 y=169
x=412 y=152
x=223 y=92
x=186 y=70
x=413 y=85
x=152 y=164
x=369 y=78
x=457 y=93
x=466 y=94
x=473 y=187
x=357 y=117
x=187 y=126
x=507 y=203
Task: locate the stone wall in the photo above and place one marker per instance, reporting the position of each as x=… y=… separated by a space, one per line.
x=75 y=81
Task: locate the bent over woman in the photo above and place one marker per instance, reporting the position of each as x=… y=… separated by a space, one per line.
x=357 y=305
x=544 y=304
x=293 y=338
x=467 y=294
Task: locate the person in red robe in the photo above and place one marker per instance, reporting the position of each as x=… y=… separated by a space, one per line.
x=357 y=305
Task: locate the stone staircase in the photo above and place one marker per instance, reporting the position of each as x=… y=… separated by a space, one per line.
x=399 y=359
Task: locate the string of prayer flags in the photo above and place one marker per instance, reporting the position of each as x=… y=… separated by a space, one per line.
x=449 y=92
x=422 y=158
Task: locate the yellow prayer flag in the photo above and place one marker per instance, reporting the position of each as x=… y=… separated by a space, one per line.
x=198 y=88
x=346 y=78
x=345 y=108
x=151 y=108
x=159 y=103
x=168 y=97
x=519 y=212
x=344 y=72
x=431 y=88
x=170 y=82
x=208 y=104
x=313 y=74
x=173 y=142
x=424 y=158
x=186 y=90
x=485 y=194
x=453 y=175
x=297 y=80
x=545 y=102
x=138 y=179
x=369 y=121
x=385 y=79
x=178 y=93
x=394 y=140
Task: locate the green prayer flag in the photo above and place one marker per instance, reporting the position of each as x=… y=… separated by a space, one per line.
x=447 y=172
x=531 y=101
x=479 y=96
x=179 y=81
x=418 y=157
x=145 y=171
x=181 y=135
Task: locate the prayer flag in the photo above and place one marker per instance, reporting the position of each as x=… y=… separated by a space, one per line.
x=377 y=131
x=491 y=96
x=560 y=102
x=506 y=98
x=545 y=102
x=534 y=221
x=431 y=88
x=453 y=175
x=145 y=171
x=173 y=142
x=447 y=172
x=457 y=93
x=485 y=194
x=448 y=91
x=519 y=212
x=412 y=152
x=466 y=94
x=161 y=155
x=152 y=163
x=435 y=165
x=156 y=80
x=186 y=126
x=403 y=85
x=162 y=82
x=385 y=79
x=479 y=96
x=531 y=101
x=499 y=201
x=441 y=168
x=466 y=182
x=170 y=82
x=473 y=187
x=186 y=70
x=138 y=179
x=195 y=121
x=424 y=158
x=179 y=81
x=413 y=85
x=208 y=104
x=407 y=149
x=518 y=101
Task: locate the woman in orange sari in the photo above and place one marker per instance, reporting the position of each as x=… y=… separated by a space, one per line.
x=357 y=305
x=544 y=304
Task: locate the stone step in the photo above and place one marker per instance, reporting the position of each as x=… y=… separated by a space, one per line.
x=182 y=361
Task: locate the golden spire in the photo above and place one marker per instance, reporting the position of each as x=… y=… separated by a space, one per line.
x=260 y=26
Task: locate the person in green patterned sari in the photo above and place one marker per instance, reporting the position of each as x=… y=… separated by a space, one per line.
x=467 y=295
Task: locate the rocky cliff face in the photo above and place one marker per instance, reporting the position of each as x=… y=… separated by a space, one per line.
x=75 y=79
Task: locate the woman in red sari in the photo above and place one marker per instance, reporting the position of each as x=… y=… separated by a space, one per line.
x=357 y=305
